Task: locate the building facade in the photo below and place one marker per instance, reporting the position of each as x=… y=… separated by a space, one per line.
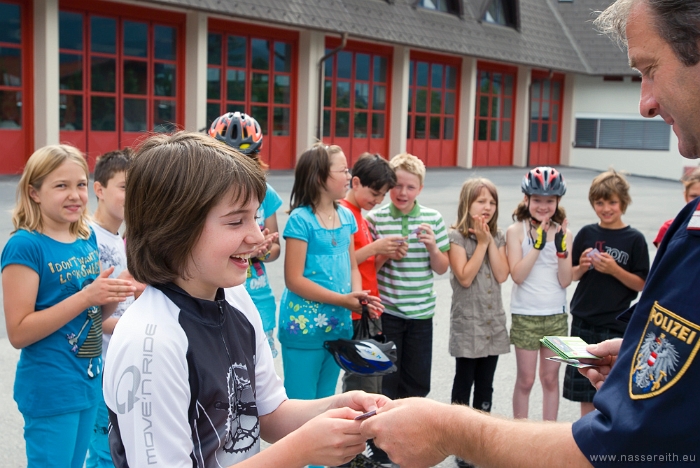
x=457 y=83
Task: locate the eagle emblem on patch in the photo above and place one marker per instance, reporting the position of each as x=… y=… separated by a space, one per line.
x=665 y=351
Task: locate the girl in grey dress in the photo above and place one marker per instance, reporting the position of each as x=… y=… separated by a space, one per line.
x=479 y=265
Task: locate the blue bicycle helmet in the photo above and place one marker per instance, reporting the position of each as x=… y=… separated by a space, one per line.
x=364 y=357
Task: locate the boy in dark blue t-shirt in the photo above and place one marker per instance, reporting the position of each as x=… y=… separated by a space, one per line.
x=611 y=263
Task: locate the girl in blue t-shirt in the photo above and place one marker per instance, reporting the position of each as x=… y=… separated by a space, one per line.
x=53 y=290
x=320 y=271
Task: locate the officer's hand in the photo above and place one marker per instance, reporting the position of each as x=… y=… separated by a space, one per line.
x=608 y=351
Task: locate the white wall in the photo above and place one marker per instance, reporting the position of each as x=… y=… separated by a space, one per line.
x=196 y=71
x=311 y=49
x=594 y=97
x=521 y=122
x=467 y=105
x=398 y=123
x=46 y=72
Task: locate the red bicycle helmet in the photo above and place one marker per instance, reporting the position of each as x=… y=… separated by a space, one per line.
x=543 y=181
x=238 y=130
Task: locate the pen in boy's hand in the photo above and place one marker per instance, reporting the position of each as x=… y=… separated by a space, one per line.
x=366 y=415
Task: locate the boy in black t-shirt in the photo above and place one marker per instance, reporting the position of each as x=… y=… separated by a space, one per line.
x=611 y=260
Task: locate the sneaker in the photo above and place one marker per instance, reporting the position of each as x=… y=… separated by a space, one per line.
x=361 y=461
x=379 y=456
x=344 y=465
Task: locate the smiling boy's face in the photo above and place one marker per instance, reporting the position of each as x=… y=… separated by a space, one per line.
x=609 y=212
x=366 y=197
x=407 y=189
x=219 y=259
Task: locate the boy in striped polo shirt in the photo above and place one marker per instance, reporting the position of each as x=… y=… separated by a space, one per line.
x=406 y=278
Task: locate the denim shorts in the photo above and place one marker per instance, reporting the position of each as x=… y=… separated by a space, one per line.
x=527 y=330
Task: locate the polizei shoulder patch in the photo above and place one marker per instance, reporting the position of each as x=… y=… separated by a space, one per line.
x=665 y=351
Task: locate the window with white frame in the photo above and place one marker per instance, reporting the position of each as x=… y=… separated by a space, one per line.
x=446 y=6
x=502 y=12
x=623 y=134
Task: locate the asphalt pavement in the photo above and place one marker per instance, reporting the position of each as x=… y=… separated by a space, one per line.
x=653 y=202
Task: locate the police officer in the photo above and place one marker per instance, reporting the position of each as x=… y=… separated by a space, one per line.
x=646 y=407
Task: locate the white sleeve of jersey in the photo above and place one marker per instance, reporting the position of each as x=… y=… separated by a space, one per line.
x=269 y=390
x=146 y=383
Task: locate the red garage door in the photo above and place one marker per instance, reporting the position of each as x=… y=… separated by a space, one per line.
x=545 y=118
x=494 y=117
x=356 y=98
x=433 y=98
x=121 y=74
x=253 y=69
x=15 y=85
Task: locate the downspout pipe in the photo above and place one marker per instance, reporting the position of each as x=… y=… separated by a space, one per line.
x=321 y=83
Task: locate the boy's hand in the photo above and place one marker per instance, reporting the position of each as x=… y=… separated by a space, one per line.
x=388 y=245
x=585 y=261
x=334 y=435
x=427 y=236
x=359 y=401
x=401 y=251
x=481 y=230
x=604 y=263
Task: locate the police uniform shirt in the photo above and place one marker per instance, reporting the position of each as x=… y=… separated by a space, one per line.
x=647 y=409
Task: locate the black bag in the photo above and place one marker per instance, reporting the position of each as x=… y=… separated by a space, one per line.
x=363 y=332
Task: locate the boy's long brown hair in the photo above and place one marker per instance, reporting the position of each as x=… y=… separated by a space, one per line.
x=173 y=183
x=471 y=189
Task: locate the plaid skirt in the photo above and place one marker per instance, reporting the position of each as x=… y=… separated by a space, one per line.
x=576 y=386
